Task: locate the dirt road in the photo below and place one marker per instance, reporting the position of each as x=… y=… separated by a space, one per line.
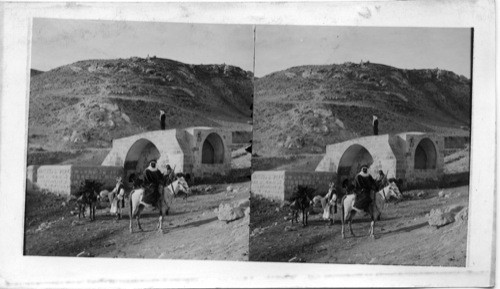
x=403 y=236
x=192 y=230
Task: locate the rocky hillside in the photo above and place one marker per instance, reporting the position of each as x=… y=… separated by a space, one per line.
x=301 y=109
x=89 y=103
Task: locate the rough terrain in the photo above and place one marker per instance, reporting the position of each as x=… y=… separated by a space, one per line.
x=83 y=106
x=302 y=109
x=191 y=231
x=403 y=236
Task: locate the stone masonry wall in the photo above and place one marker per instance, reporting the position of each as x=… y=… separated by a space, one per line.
x=269 y=184
x=64 y=180
x=31 y=177
x=105 y=175
x=280 y=185
x=316 y=180
x=56 y=179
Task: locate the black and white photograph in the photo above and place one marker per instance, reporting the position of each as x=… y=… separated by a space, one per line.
x=332 y=144
x=361 y=145
x=138 y=138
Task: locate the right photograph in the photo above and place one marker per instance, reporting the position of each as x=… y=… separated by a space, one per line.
x=361 y=145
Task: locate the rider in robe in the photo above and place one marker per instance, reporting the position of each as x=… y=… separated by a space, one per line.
x=381 y=180
x=152 y=182
x=364 y=184
x=168 y=175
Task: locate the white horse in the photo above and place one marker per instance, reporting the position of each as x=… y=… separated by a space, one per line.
x=328 y=203
x=375 y=208
x=166 y=194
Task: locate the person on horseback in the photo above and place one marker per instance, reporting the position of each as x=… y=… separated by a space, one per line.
x=364 y=184
x=152 y=182
x=168 y=175
x=381 y=180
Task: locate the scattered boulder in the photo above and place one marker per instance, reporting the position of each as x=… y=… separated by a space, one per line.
x=125 y=117
x=421 y=194
x=44 y=226
x=439 y=218
x=462 y=216
x=339 y=123
x=75 y=68
x=290 y=228
x=229 y=212
x=76 y=223
x=441 y=194
x=285 y=204
x=296 y=259
x=209 y=189
x=243 y=203
x=85 y=254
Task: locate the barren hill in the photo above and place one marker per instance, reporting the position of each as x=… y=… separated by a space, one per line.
x=34 y=72
x=85 y=105
x=301 y=109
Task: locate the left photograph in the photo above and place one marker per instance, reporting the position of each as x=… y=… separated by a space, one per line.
x=139 y=140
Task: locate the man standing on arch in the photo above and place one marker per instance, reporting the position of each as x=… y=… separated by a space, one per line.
x=375 y=125
x=163 y=118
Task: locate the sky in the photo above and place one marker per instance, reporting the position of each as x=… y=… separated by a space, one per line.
x=281 y=47
x=57 y=42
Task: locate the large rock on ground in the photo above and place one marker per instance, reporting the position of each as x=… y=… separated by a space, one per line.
x=230 y=212
x=439 y=218
x=462 y=216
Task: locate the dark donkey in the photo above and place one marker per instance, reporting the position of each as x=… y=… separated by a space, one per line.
x=88 y=196
x=301 y=201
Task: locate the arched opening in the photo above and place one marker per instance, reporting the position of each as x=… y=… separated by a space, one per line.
x=425 y=155
x=212 y=151
x=351 y=161
x=138 y=157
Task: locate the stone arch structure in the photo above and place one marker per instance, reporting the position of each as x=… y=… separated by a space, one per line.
x=138 y=156
x=212 y=150
x=199 y=151
x=351 y=161
x=425 y=155
x=415 y=157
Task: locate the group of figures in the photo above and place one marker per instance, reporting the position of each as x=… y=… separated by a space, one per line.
x=153 y=189
x=362 y=195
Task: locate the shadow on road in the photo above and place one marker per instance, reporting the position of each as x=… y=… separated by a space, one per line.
x=196 y=223
x=406 y=229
